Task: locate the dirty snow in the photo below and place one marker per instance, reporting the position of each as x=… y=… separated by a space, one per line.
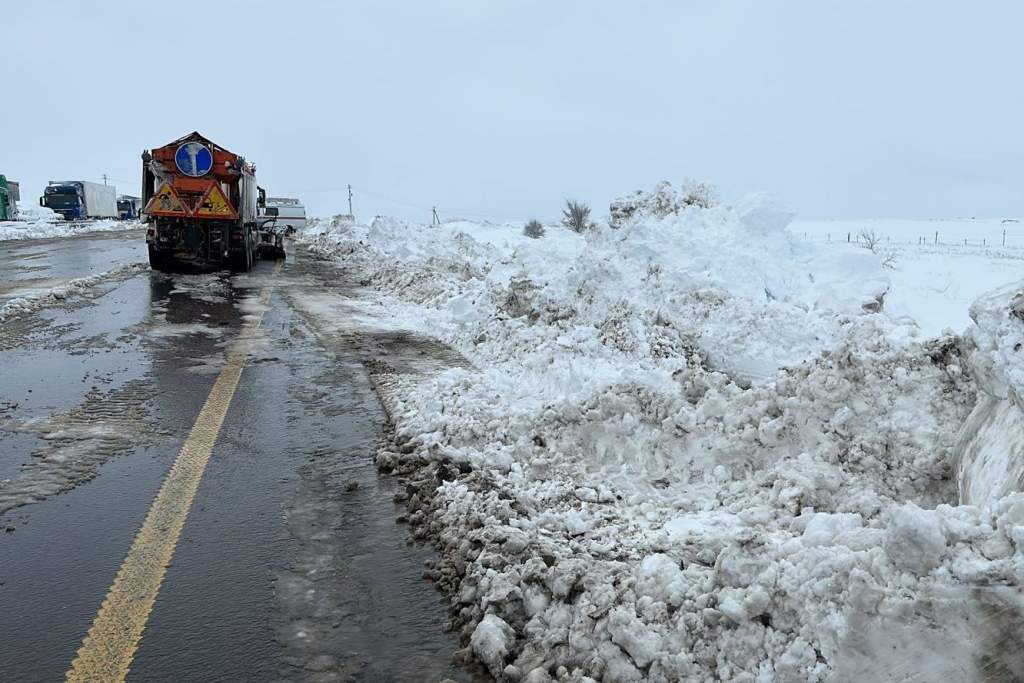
x=692 y=447
x=38 y=222
x=66 y=290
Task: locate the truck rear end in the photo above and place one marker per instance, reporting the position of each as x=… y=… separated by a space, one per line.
x=200 y=206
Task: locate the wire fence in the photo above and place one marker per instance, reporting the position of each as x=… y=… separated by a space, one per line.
x=1002 y=239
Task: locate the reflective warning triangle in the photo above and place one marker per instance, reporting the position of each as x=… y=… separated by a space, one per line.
x=215 y=205
x=166 y=202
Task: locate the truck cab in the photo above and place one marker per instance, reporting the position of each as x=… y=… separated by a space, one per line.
x=128 y=207
x=64 y=198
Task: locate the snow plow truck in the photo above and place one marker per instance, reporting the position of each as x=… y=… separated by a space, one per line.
x=201 y=206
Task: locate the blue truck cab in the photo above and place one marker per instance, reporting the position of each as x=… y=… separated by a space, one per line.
x=128 y=207
x=67 y=199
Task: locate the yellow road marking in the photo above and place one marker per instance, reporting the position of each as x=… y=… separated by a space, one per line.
x=109 y=648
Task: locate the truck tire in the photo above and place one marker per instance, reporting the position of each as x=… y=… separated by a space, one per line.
x=241 y=262
x=157 y=261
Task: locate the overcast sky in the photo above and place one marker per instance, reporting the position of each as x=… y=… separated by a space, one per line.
x=499 y=109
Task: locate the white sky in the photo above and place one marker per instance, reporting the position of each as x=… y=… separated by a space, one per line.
x=499 y=109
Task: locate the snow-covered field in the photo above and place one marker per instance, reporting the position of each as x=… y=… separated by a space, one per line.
x=702 y=447
x=36 y=222
x=936 y=276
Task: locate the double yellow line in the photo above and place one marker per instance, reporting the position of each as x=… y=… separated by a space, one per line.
x=109 y=648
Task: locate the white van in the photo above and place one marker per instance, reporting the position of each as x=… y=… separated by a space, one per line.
x=290 y=213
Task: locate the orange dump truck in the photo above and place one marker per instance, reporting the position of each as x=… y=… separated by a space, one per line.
x=201 y=206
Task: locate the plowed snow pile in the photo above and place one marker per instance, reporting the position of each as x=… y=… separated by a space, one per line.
x=689 y=448
x=36 y=222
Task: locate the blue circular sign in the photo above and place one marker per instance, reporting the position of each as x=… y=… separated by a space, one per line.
x=194 y=159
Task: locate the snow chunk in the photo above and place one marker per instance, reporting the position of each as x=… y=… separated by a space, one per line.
x=660 y=578
x=764 y=214
x=915 y=541
x=492 y=641
x=633 y=636
x=823 y=527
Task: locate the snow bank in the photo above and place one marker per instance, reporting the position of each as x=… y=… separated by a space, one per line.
x=37 y=222
x=990 y=455
x=689 y=448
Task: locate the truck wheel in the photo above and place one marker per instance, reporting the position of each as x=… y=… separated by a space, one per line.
x=157 y=261
x=241 y=262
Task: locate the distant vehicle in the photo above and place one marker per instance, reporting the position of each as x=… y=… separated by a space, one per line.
x=201 y=204
x=8 y=199
x=80 y=199
x=279 y=217
x=290 y=213
x=128 y=207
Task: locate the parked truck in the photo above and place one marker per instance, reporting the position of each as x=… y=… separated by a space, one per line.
x=8 y=199
x=80 y=199
x=201 y=206
x=128 y=207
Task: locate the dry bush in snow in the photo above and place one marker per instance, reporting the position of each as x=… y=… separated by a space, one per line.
x=576 y=216
x=534 y=229
x=869 y=239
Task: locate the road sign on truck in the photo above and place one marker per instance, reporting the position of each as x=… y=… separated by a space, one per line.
x=80 y=199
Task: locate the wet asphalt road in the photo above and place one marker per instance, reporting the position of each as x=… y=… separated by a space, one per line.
x=27 y=266
x=290 y=565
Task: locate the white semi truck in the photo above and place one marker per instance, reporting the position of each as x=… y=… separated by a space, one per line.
x=80 y=199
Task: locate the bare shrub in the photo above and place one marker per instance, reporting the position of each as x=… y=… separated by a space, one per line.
x=576 y=216
x=534 y=229
x=869 y=239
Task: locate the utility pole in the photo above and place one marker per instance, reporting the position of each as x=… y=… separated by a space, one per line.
x=350 y=200
x=434 y=220
x=104 y=178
